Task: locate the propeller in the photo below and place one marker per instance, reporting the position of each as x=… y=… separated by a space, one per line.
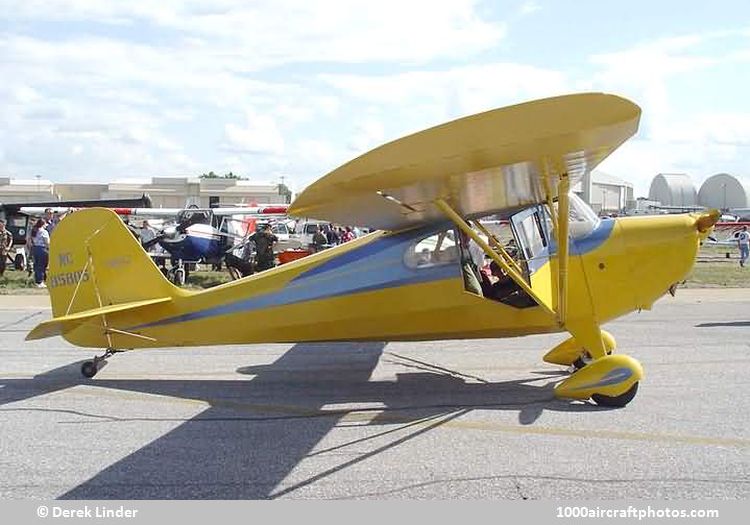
x=186 y=221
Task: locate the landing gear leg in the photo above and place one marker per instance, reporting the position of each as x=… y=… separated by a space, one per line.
x=90 y=368
x=573 y=353
x=585 y=357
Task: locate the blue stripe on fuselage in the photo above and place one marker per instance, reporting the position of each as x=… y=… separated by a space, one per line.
x=590 y=242
x=376 y=265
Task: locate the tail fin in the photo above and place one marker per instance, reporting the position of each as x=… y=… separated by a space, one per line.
x=97 y=267
x=95 y=261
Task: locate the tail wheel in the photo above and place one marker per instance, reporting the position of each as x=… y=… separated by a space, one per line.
x=89 y=369
x=18 y=262
x=616 y=401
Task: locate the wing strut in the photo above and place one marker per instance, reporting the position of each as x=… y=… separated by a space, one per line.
x=563 y=218
x=468 y=230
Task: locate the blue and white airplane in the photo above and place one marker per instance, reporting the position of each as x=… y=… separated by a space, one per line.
x=204 y=235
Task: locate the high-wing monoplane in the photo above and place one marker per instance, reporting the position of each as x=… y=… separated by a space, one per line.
x=216 y=236
x=413 y=279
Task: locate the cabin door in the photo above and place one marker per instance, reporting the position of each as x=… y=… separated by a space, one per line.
x=533 y=241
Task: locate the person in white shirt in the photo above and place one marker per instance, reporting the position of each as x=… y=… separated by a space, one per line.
x=743 y=242
x=40 y=252
x=147 y=233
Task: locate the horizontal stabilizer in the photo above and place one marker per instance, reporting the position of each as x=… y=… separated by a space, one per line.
x=60 y=325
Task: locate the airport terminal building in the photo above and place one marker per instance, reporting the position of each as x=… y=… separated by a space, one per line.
x=165 y=192
x=605 y=193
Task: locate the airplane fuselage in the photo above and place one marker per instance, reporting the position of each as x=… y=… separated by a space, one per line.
x=377 y=288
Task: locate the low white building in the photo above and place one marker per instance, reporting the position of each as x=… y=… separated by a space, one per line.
x=165 y=192
x=26 y=190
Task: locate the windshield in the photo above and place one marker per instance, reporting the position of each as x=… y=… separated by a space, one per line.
x=582 y=219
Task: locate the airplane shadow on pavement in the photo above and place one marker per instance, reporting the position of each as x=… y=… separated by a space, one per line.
x=255 y=432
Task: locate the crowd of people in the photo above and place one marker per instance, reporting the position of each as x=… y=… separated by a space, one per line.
x=328 y=235
x=260 y=245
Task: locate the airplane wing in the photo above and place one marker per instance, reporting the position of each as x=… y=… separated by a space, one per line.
x=259 y=211
x=481 y=164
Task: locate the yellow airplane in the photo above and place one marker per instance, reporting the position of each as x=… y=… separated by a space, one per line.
x=413 y=279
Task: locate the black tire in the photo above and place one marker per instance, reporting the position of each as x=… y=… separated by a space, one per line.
x=89 y=369
x=179 y=277
x=235 y=273
x=616 y=401
x=18 y=262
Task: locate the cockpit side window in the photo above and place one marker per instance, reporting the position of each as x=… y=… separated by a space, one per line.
x=433 y=250
x=530 y=229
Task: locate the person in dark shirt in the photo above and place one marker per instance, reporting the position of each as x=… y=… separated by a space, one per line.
x=6 y=244
x=319 y=240
x=332 y=236
x=264 y=241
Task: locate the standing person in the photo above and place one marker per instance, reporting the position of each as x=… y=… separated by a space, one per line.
x=6 y=242
x=332 y=236
x=264 y=241
x=40 y=252
x=743 y=242
x=50 y=220
x=147 y=232
x=319 y=240
x=348 y=235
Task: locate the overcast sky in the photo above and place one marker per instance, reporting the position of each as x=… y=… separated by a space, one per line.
x=105 y=90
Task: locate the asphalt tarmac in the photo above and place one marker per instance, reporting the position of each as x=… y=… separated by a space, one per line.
x=445 y=419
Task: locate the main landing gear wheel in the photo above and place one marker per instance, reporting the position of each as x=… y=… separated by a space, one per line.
x=616 y=401
x=234 y=273
x=610 y=381
x=179 y=277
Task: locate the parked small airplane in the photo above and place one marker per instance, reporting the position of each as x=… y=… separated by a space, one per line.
x=413 y=279
x=726 y=233
x=207 y=235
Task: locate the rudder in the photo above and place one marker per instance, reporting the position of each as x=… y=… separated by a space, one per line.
x=95 y=262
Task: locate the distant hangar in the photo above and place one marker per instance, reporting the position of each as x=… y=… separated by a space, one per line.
x=723 y=191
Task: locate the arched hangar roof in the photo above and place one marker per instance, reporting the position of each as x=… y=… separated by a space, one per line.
x=673 y=189
x=724 y=191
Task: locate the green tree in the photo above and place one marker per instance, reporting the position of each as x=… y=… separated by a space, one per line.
x=286 y=192
x=212 y=175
